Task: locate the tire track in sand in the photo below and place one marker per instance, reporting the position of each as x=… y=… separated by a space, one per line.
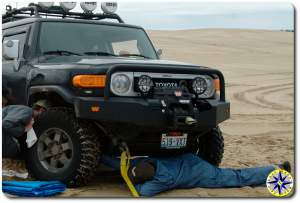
x=271 y=132
x=274 y=105
x=259 y=93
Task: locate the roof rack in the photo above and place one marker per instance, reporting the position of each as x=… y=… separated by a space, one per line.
x=34 y=10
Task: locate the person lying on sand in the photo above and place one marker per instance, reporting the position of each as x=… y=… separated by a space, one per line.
x=151 y=176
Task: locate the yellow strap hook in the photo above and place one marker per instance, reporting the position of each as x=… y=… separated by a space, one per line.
x=125 y=164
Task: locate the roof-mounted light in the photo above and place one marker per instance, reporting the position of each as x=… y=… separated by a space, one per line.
x=67 y=6
x=109 y=7
x=88 y=7
x=45 y=5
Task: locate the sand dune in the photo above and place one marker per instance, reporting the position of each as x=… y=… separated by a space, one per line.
x=258 y=67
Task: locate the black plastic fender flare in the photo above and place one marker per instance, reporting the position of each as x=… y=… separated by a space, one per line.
x=65 y=94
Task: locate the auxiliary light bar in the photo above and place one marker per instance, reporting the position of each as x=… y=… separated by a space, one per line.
x=87 y=7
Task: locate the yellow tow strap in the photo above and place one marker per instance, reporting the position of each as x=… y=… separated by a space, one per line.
x=125 y=164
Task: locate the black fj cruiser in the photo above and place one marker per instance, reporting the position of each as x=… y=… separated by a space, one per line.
x=104 y=84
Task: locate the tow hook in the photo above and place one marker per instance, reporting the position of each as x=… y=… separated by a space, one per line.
x=190 y=121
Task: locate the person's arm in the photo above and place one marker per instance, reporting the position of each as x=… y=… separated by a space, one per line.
x=15 y=131
x=151 y=188
x=16 y=119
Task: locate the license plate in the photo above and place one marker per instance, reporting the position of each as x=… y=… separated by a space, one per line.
x=173 y=142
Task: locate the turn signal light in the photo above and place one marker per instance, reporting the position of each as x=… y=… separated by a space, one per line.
x=217 y=84
x=95 y=108
x=89 y=81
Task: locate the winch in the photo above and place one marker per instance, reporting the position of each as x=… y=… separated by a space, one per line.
x=177 y=103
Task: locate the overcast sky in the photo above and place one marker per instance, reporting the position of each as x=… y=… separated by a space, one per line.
x=193 y=15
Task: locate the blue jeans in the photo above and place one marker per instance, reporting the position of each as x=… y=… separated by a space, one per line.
x=190 y=171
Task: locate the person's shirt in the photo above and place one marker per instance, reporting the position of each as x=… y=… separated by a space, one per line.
x=14 y=119
x=173 y=172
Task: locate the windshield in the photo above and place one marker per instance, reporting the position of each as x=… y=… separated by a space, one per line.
x=94 y=39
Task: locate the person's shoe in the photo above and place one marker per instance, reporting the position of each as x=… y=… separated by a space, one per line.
x=285 y=166
x=14 y=170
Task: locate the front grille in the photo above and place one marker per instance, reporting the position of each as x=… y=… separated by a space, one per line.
x=149 y=84
x=165 y=83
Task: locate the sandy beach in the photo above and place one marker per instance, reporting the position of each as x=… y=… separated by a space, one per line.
x=258 y=67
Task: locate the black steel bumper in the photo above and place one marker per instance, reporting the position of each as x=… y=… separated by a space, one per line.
x=145 y=112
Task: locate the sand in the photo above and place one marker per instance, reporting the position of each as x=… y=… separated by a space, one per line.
x=258 y=67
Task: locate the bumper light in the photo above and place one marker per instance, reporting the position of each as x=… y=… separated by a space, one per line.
x=199 y=85
x=217 y=84
x=205 y=86
x=145 y=84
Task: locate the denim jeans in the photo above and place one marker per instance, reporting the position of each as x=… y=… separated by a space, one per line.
x=190 y=171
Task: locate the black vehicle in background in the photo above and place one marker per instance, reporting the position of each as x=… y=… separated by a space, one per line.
x=104 y=84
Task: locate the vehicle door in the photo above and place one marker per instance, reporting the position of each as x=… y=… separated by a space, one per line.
x=14 y=80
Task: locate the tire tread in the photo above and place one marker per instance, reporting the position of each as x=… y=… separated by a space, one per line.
x=211 y=146
x=90 y=146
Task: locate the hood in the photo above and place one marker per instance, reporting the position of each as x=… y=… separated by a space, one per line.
x=73 y=62
x=130 y=61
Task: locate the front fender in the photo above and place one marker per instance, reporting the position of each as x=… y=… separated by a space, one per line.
x=64 y=93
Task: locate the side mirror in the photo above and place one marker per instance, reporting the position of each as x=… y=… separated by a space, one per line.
x=159 y=52
x=11 y=49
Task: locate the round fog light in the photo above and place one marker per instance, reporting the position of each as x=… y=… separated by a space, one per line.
x=199 y=85
x=145 y=84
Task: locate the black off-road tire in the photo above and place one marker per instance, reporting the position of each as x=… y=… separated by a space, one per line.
x=85 y=148
x=211 y=146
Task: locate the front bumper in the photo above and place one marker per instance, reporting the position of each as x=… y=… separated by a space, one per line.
x=147 y=112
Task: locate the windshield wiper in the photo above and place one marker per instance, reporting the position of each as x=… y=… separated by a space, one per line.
x=99 y=53
x=139 y=55
x=61 y=53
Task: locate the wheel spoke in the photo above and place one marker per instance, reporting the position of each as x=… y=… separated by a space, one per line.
x=53 y=162
x=45 y=154
x=64 y=159
x=47 y=141
x=65 y=146
x=57 y=137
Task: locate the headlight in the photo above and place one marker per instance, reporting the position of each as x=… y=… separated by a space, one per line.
x=120 y=84
x=145 y=84
x=203 y=86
